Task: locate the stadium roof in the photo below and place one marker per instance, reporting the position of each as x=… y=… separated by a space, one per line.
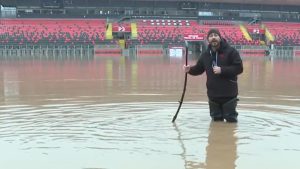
x=264 y=2
x=269 y=2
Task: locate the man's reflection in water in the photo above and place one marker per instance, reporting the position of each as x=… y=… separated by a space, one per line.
x=221 y=151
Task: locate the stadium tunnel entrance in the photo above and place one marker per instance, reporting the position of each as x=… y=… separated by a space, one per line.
x=196 y=48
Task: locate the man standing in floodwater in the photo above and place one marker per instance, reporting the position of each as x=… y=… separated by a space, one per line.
x=222 y=63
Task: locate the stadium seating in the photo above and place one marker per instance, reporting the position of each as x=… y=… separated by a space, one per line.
x=285 y=33
x=23 y=31
x=163 y=31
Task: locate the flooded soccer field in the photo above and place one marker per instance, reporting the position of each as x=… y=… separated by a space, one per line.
x=115 y=113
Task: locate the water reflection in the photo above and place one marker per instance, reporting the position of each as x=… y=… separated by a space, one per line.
x=188 y=164
x=221 y=151
x=110 y=76
x=221 y=148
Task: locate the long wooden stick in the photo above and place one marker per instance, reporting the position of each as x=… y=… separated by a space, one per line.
x=185 y=81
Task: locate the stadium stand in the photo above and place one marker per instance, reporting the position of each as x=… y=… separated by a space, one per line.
x=286 y=34
x=163 y=22
x=60 y=31
x=92 y=31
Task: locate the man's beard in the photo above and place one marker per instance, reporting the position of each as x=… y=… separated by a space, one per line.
x=215 y=44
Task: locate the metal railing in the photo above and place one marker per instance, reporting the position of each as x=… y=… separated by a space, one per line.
x=46 y=52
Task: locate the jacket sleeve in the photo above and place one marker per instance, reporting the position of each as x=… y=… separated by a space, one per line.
x=198 y=68
x=235 y=67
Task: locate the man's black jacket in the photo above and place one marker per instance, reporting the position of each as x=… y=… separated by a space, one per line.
x=224 y=84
